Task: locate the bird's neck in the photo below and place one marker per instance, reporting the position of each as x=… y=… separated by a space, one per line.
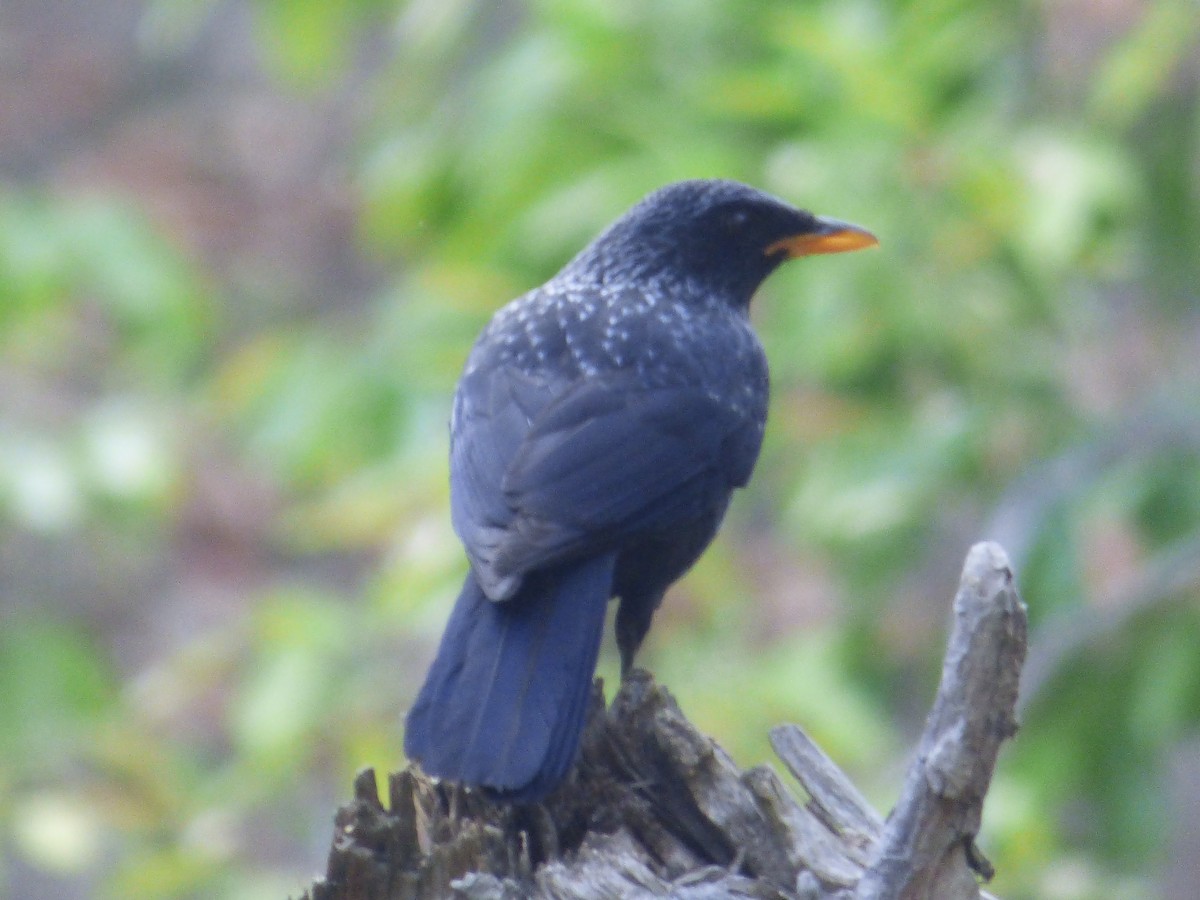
x=662 y=278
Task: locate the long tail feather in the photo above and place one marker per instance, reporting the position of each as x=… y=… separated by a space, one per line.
x=504 y=702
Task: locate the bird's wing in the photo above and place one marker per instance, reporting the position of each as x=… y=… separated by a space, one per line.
x=549 y=475
x=494 y=409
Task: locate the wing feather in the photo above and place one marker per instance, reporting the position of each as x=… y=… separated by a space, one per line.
x=545 y=472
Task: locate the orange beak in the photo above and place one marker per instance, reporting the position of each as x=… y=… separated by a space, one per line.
x=831 y=236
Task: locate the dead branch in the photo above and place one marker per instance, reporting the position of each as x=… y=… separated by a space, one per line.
x=655 y=808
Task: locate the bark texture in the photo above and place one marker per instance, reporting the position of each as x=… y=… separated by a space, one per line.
x=656 y=809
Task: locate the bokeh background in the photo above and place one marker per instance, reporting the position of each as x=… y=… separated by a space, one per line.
x=245 y=246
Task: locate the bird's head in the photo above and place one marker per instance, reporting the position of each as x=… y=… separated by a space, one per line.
x=721 y=237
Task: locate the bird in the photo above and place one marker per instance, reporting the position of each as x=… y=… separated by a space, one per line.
x=599 y=428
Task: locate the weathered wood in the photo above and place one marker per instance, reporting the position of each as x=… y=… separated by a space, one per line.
x=655 y=808
x=927 y=848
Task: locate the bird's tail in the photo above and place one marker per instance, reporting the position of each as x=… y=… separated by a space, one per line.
x=503 y=704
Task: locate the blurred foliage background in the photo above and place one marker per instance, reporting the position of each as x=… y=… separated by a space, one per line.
x=245 y=246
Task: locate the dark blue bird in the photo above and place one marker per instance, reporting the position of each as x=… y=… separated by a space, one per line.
x=599 y=428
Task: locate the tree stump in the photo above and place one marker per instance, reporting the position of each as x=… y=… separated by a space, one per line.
x=654 y=808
